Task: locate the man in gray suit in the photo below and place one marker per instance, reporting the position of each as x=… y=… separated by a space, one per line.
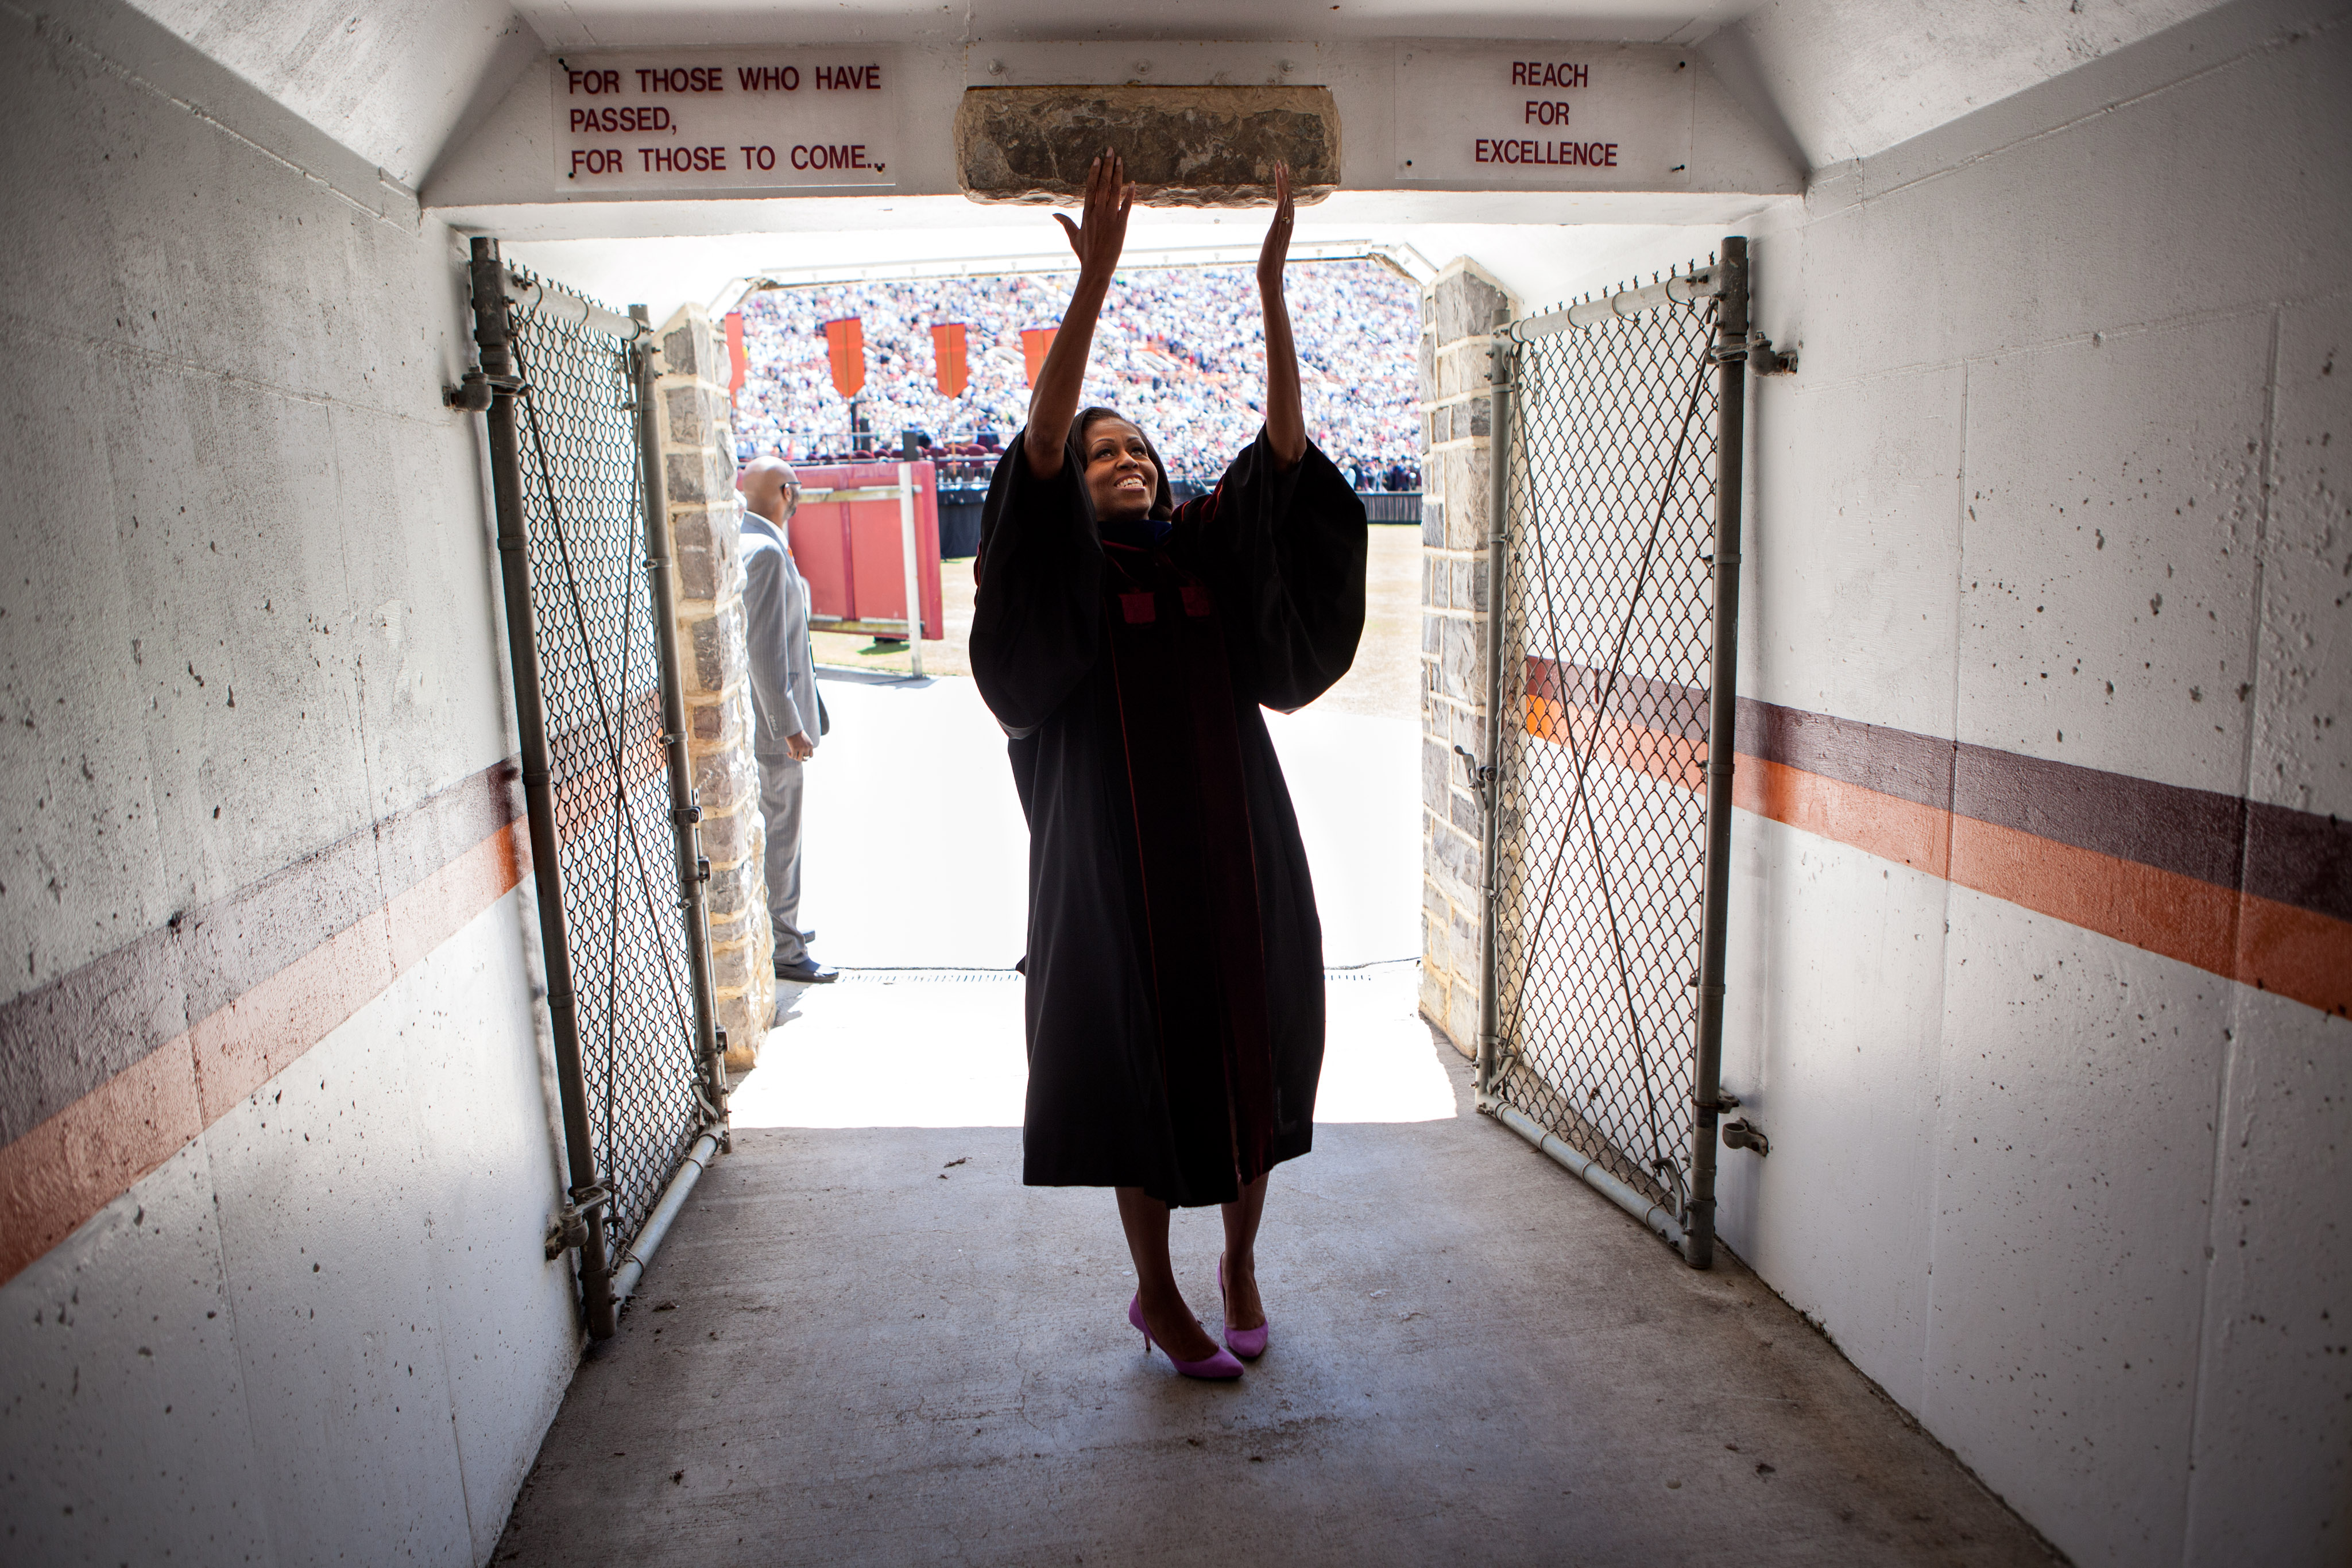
x=786 y=708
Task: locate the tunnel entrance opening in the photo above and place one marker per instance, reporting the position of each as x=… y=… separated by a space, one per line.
x=915 y=847
x=1594 y=1022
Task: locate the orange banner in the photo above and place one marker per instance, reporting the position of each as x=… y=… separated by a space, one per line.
x=735 y=351
x=845 y=346
x=947 y=350
x=1035 y=342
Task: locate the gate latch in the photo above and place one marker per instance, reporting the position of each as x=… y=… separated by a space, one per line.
x=1764 y=360
x=571 y=1227
x=1480 y=774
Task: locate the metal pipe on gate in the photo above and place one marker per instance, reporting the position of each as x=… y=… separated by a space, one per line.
x=1655 y=1218
x=1498 y=502
x=491 y=339
x=543 y=299
x=1704 y=284
x=1723 y=694
x=640 y=1251
x=684 y=812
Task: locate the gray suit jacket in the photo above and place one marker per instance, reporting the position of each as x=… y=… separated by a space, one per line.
x=784 y=698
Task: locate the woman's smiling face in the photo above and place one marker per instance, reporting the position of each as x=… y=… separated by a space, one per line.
x=1121 y=477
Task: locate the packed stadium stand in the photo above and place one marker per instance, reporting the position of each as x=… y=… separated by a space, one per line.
x=1180 y=350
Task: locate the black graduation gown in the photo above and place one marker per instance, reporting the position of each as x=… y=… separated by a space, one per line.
x=1175 y=963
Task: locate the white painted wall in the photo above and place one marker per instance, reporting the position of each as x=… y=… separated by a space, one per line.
x=323 y=1332
x=2076 y=1205
x=250 y=611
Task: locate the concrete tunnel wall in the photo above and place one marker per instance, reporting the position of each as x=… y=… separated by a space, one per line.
x=2061 y=480
x=277 y=1154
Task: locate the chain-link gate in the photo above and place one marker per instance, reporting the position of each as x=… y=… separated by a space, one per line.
x=567 y=388
x=1611 y=695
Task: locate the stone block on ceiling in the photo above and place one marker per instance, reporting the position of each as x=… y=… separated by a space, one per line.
x=1184 y=146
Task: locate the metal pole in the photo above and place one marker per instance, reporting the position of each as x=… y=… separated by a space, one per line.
x=906 y=547
x=554 y=302
x=1731 y=385
x=1498 y=501
x=639 y=1253
x=1655 y=1218
x=588 y=1194
x=1680 y=289
x=684 y=812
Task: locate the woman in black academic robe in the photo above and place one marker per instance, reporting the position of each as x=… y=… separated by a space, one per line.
x=1127 y=645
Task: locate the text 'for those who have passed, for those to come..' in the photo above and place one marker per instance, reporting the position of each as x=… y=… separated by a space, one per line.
x=755 y=120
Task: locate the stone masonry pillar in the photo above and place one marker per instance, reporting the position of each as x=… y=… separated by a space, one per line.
x=1457 y=316
x=697 y=445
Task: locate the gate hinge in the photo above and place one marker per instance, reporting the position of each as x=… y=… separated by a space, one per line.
x=571 y=1227
x=1725 y=1099
x=1757 y=350
x=473 y=390
x=686 y=815
x=1745 y=1134
x=702 y=867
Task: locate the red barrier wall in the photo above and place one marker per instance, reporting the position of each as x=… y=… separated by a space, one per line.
x=850 y=550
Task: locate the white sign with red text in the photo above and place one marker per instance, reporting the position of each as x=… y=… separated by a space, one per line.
x=742 y=120
x=1547 y=116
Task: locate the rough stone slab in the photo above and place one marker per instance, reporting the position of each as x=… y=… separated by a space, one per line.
x=1184 y=146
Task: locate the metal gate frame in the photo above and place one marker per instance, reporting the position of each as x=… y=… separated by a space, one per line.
x=612 y=1250
x=1681 y=1217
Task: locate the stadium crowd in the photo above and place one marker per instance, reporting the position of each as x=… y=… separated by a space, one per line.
x=1180 y=350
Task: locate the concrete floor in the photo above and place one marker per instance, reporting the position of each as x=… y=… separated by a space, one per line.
x=872 y=1345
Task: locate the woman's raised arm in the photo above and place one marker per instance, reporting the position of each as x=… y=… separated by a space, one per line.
x=1286 y=421
x=1098 y=238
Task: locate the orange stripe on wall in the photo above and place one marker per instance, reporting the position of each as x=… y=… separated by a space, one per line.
x=1623 y=742
x=2162 y=911
x=1887 y=826
x=87 y=1155
x=255 y=1038
x=69 y=1168
x=2298 y=953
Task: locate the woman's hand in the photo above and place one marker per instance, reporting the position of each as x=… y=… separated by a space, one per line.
x=1098 y=238
x=1101 y=233
x=1275 y=253
x=1286 y=420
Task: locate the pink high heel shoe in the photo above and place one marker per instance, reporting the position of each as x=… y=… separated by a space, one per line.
x=1219 y=1367
x=1247 y=1343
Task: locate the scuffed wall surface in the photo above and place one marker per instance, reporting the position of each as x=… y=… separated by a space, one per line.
x=249 y=615
x=2059 y=477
